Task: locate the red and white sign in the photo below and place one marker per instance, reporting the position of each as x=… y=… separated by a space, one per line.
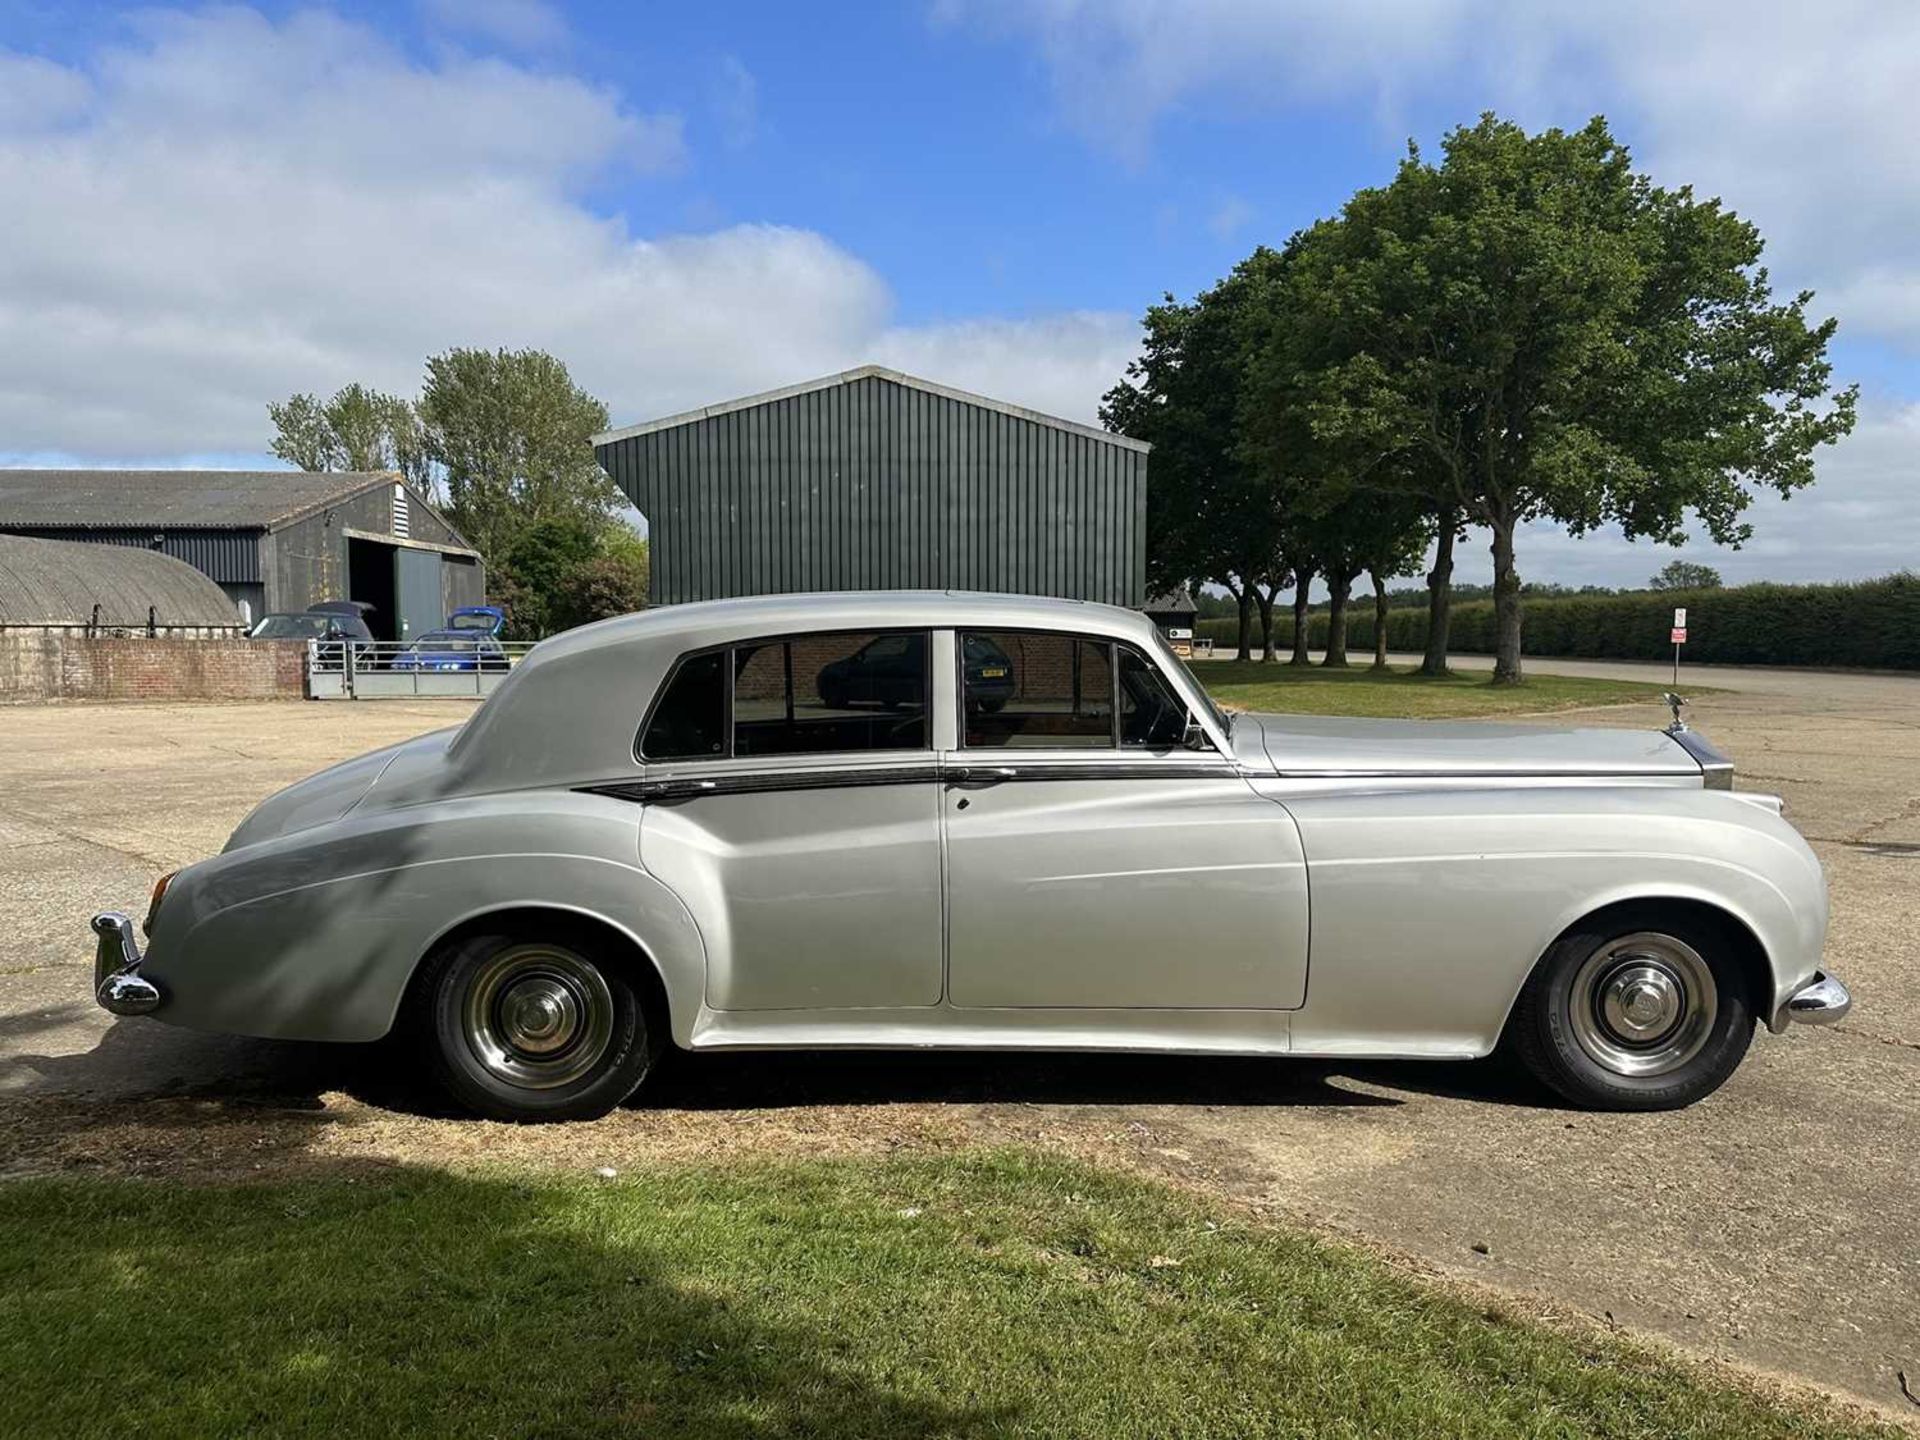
x=1679 y=624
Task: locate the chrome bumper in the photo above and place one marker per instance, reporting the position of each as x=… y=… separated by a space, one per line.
x=117 y=982
x=1821 y=1001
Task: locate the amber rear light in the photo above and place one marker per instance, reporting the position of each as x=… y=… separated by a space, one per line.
x=159 y=894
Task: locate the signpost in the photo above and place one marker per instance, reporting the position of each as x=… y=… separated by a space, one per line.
x=1679 y=639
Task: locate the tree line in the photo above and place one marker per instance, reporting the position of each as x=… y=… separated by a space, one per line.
x=500 y=440
x=1527 y=329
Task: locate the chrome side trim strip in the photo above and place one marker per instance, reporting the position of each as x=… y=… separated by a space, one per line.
x=1332 y=774
x=974 y=773
x=668 y=791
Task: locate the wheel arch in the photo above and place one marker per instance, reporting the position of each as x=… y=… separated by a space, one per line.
x=1672 y=906
x=542 y=918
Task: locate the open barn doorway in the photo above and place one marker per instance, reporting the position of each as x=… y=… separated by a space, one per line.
x=371 y=578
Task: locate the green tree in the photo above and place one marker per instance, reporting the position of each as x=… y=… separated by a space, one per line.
x=556 y=574
x=511 y=434
x=357 y=429
x=1685 y=575
x=1558 y=338
x=1220 y=505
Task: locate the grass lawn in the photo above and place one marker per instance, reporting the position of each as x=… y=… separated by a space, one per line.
x=1404 y=694
x=983 y=1294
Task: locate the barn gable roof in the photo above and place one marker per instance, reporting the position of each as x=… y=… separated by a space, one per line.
x=867 y=372
x=176 y=499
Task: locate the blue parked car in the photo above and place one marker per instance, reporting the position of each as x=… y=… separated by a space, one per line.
x=466 y=648
x=478 y=619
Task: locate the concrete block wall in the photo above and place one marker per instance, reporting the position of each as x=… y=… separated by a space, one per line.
x=40 y=666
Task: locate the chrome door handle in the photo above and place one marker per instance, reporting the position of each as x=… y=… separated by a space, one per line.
x=981 y=774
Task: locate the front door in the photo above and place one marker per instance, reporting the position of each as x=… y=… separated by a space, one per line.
x=1092 y=861
x=800 y=825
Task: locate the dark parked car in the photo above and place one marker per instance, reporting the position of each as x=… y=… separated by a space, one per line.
x=335 y=628
x=308 y=625
x=891 y=670
x=452 y=650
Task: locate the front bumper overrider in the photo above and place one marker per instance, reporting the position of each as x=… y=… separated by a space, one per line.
x=1821 y=1001
x=118 y=984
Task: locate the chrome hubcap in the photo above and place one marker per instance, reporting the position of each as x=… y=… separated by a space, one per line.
x=538 y=1016
x=1643 y=1005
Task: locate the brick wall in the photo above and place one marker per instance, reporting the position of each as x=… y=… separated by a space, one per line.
x=38 y=666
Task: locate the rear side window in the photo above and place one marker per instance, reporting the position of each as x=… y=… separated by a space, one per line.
x=807 y=694
x=690 y=722
x=1036 y=691
x=824 y=693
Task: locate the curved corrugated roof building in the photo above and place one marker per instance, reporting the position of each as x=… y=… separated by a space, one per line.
x=59 y=582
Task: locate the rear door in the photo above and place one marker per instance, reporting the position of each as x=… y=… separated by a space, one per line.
x=1093 y=861
x=803 y=836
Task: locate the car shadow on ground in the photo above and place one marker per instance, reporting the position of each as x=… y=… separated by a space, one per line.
x=137 y=1059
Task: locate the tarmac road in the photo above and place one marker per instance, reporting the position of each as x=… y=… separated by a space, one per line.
x=1776 y=1225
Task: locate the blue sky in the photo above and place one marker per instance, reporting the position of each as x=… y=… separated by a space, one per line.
x=219 y=206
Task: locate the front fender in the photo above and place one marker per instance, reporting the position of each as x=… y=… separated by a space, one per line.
x=1431 y=907
x=315 y=935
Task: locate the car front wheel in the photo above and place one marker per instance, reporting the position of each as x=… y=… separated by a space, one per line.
x=532 y=1029
x=1634 y=1013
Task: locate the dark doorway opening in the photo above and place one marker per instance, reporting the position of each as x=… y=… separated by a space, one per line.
x=370 y=578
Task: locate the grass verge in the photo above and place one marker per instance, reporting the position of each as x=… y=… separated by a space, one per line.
x=980 y=1294
x=1405 y=694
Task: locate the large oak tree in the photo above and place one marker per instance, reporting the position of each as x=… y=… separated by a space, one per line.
x=1538 y=331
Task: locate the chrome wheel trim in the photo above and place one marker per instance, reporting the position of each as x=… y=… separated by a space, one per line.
x=1643 y=1005
x=537 y=1016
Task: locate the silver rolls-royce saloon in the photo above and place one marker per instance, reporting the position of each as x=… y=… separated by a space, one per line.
x=985 y=822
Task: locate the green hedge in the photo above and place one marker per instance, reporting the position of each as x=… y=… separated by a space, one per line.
x=1872 y=624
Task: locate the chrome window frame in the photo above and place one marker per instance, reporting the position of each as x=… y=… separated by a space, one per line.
x=1116 y=749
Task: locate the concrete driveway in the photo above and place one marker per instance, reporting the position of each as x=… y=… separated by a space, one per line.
x=1777 y=1225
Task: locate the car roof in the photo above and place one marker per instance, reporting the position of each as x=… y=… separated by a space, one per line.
x=712 y=622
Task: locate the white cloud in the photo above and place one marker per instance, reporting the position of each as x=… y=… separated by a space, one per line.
x=736 y=102
x=233 y=209
x=1800 y=116
x=1229 y=217
x=1058 y=364
x=1862 y=517
x=1118 y=65
x=523 y=24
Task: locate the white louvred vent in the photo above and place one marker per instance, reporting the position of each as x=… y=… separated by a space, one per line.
x=402 y=515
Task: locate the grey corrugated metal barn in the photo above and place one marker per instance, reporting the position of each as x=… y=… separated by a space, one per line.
x=871 y=479
x=272 y=540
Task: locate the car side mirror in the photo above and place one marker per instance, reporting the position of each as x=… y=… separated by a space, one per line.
x=1193 y=737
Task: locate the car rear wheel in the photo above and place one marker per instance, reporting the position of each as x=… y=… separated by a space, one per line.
x=1635 y=1013
x=531 y=1029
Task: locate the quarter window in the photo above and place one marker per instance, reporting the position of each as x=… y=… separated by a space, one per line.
x=1037 y=691
x=690 y=722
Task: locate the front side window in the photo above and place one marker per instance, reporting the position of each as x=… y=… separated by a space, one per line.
x=1151 y=715
x=806 y=694
x=1036 y=691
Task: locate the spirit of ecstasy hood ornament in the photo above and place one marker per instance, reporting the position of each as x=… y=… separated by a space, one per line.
x=1675 y=703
